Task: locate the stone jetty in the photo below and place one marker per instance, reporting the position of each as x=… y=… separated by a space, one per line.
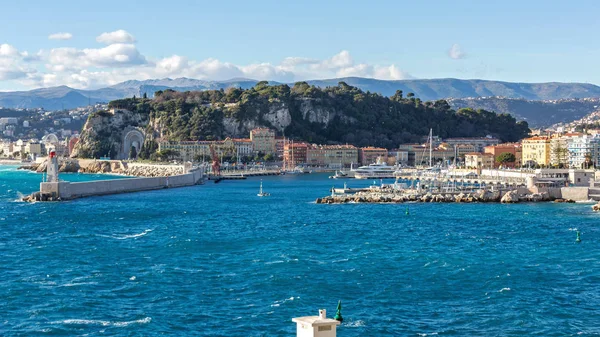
x=110 y=167
x=383 y=196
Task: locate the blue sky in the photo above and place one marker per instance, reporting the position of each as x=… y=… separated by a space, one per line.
x=521 y=41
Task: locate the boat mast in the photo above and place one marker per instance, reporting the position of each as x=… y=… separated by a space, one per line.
x=430 y=147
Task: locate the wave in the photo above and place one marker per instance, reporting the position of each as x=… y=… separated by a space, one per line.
x=127 y=236
x=101 y=322
x=503 y=290
x=278 y=303
x=354 y=324
x=74 y=284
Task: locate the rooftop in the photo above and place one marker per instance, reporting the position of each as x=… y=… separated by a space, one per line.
x=315 y=320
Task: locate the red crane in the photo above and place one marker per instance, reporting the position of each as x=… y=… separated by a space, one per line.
x=216 y=164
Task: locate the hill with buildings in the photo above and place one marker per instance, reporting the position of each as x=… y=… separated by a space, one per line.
x=334 y=115
x=536 y=113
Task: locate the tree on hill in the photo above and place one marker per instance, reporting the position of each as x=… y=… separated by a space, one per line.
x=506 y=157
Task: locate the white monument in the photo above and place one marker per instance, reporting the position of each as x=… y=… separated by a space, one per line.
x=316 y=326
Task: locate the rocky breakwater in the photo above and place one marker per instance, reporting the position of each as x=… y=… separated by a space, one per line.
x=383 y=196
x=109 y=167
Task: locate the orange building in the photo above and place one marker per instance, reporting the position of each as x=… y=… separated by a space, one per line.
x=369 y=155
x=497 y=150
x=294 y=154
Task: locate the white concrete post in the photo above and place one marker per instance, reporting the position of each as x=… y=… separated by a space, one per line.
x=316 y=326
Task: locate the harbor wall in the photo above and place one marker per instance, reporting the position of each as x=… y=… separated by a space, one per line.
x=575 y=193
x=67 y=190
x=570 y=193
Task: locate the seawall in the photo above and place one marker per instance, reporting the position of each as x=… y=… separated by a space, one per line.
x=64 y=190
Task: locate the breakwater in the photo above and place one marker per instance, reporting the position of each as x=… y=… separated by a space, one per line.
x=63 y=190
x=381 y=195
x=135 y=169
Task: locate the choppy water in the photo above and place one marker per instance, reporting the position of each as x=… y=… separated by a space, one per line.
x=216 y=260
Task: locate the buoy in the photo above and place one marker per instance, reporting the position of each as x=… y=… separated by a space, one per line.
x=578 y=237
x=338 y=314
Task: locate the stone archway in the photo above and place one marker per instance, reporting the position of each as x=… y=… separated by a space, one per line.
x=133 y=138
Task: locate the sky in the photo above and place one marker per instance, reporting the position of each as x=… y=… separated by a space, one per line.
x=90 y=44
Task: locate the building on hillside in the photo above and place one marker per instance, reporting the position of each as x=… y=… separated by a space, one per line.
x=7 y=149
x=479 y=143
x=331 y=156
x=559 y=148
x=200 y=150
x=294 y=154
x=279 y=145
x=512 y=148
x=397 y=157
x=263 y=140
x=478 y=160
x=584 y=151
x=369 y=155
x=535 y=151
x=33 y=148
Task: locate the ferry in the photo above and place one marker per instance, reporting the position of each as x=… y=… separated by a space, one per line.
x=378 y=170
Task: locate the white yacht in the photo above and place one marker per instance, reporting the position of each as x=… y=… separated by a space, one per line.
x=375 y=171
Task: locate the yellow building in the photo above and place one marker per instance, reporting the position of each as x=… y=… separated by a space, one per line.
x=536 y=151
x=331 y=156
x=477 y=160
x=263 y=140
x=200 y=150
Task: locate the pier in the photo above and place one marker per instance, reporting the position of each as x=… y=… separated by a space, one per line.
x=55 y=190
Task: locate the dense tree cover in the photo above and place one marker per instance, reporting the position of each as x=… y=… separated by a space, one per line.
x=506 y=157
x=361 y=118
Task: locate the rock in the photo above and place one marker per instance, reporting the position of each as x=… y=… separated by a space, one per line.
x=510 y=197
x=596 y=207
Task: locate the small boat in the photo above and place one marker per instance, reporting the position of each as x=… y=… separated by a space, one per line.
x=261 y=193
x=339 y=175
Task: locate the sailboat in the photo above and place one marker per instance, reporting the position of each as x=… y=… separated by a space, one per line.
x=262 y=193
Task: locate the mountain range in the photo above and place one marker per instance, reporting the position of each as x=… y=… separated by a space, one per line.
x=55 y=98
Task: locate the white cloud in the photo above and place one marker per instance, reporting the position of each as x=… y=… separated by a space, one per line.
x=120 y=60
x=114 y=55
x=118 y=36
x=60 y=36
x=7 y=50
x=13 y=64
x=455 y=52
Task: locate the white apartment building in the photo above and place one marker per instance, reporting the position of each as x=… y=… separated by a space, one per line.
x=583 y=148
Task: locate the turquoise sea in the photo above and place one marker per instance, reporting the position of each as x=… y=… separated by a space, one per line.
x=216 y=260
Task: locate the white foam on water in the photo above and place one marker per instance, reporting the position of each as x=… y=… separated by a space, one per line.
x=102 y=322
x=355 y=324
x=503 y=290
x=278 y=303
x=74 y=284
x=126 y=236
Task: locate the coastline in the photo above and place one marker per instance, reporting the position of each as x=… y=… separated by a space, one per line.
x=9 y=162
